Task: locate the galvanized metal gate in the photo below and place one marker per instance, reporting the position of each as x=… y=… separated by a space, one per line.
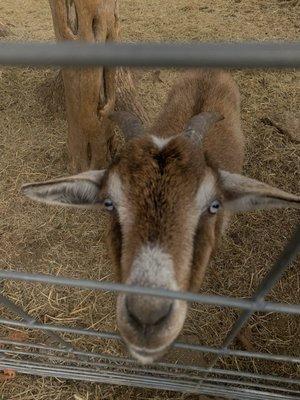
x=62 y=359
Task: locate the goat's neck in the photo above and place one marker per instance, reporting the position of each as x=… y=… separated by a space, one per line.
x=181 y=104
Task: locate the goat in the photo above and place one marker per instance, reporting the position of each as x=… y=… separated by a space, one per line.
x=170 y=193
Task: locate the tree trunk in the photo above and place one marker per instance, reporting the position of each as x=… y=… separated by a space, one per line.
x=89 y=92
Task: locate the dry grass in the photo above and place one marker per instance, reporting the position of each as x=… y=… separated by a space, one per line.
x=40 y=239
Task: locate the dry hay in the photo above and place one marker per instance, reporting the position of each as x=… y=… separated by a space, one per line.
x=36 y=238
x=4 y=30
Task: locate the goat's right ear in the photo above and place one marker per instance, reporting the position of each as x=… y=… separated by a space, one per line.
x=246 y=194
x=81 y=191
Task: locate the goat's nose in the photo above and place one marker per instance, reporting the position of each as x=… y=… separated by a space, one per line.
x=147 y=310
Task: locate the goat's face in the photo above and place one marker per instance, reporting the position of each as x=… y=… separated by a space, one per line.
x=159 y=192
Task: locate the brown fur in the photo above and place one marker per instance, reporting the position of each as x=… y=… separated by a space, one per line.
x=206 y=90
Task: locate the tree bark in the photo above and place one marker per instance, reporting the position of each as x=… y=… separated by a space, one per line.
x=89 y=92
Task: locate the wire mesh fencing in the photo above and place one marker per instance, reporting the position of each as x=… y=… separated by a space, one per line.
x=58 y=356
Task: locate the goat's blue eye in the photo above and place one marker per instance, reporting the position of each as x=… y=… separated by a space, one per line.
x=214 y=207
x=108 y=204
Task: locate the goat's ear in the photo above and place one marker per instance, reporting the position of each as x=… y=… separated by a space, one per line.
x=245 y=194
x=80 y=190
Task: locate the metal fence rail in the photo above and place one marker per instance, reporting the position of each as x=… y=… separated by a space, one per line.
x=63 y=359
x=231 y=55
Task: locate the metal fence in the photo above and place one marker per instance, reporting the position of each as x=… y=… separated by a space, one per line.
x=62 y=359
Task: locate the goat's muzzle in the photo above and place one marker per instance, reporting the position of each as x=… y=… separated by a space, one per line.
x=147 y=311
x=148 y=324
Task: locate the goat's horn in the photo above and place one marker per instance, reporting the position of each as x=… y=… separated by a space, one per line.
x=130 y=125
x=198 y=126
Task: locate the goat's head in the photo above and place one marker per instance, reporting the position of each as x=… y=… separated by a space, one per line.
x=160 y=192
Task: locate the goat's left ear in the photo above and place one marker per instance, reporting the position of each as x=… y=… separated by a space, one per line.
x=245 y=194
x=81 y=191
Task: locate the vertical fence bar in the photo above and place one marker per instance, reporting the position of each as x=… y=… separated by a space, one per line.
x=289 y=253
x=31 y=321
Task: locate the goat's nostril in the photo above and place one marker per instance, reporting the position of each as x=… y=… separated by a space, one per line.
x=146 y=311
x=131 y=313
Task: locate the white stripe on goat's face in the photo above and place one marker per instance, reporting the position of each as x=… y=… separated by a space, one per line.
x=206 y=193
x=117 y=195
x=161 y=142
x=153 y=267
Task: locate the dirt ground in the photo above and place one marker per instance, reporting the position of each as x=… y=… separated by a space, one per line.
x=71 y=243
